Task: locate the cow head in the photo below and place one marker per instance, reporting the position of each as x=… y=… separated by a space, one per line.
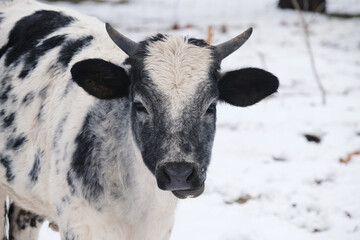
x=174 y=84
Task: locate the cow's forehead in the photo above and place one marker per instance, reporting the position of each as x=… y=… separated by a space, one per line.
x=178 y=68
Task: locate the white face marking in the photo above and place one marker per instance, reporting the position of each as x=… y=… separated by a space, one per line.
x=177 y=67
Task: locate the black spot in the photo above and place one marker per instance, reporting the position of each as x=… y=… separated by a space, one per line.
x=158 y=37
x=84 y=165
x=43 y=93
x=29 y=31
x=70 y=183
x=15 y=143
x=28 y=98
x=40 y=111
x=65 y=199
x=59 y=210
x=1 y=18
x=2 y=112
x=36 y=219
x=70 y=235
x=198 y=42
x=26 y=219
x=11 y=208
x=7 y=163
x=71 y=47
x=34 y=173
x=20 y=221
x=34 y=55
x=68 y=87
x=8 y=120
x=59 y=131
x=4 y=94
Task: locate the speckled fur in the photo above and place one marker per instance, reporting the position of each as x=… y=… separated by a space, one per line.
x=91 y=164
x=36 y=149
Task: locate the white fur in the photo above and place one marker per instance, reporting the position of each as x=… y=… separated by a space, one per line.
x=175 y=68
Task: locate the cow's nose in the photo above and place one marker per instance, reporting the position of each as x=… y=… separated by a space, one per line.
x=178 y=172
x=176 y=176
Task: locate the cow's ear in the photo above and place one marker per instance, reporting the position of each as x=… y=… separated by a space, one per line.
x=101 y=79
x=246 y=86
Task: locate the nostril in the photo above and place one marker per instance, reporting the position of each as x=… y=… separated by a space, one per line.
x=191 y=176
x=165 y=175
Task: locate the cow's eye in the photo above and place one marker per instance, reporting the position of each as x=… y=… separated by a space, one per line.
x=211 y=109
x=140 y=107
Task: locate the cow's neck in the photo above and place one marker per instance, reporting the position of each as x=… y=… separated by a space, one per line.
x=118 y=173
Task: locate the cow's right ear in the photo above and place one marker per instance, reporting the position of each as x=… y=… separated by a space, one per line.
x=247 y=86
x=101 y=79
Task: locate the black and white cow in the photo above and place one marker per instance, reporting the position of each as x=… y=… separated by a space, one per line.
x=100 y=134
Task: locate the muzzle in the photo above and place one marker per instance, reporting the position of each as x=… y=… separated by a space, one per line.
x=183 y=179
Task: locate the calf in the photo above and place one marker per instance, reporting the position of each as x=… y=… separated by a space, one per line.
x=101 y=134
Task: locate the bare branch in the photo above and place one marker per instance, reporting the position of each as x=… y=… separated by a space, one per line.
x=309 y=48
x=209 y=34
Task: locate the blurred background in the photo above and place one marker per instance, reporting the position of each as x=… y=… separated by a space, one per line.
x=288 y=167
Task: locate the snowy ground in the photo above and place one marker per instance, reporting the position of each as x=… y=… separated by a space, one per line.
x=266 y=181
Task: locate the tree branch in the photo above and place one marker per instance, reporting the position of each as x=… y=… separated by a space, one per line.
x=309 y=48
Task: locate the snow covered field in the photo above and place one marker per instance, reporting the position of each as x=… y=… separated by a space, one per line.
x=266 y=181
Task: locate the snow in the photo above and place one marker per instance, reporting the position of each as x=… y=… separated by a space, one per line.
x=298 y=189
x=344 y=6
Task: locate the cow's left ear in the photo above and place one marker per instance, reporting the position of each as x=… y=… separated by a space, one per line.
x=101 y=79
x=246 y=86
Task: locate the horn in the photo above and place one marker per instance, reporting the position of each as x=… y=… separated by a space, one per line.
x=225 y=49
x=124 y=43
